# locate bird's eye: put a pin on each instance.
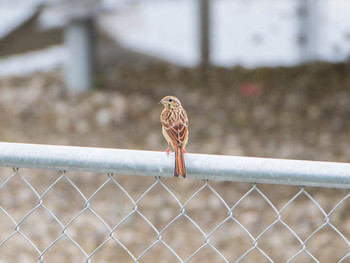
(171, 100)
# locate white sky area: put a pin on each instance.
(251, 33)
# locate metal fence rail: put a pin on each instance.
(150, 216)
(147, 163)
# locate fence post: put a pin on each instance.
(308, 30)
(80, 41)
(204, 33)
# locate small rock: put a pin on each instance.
(103, 117)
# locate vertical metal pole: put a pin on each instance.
(80, 42)
(308, 30)
(204, 17)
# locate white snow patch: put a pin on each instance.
(44, 60)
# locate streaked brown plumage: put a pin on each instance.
(175, 130)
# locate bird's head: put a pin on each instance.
(170, 102)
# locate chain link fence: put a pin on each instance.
(67, 215)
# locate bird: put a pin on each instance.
(175, 130)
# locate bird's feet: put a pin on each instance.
(167, 150)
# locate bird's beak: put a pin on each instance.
(161, 102)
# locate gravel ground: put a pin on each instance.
(296, 113)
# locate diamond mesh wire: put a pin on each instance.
(50, 216)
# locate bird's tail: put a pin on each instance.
(180, 168)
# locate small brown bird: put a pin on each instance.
(175, 130)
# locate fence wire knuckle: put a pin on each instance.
(164, 220)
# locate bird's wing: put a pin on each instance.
(177, 133)
(177, 130)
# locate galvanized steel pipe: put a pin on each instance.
(200, 166)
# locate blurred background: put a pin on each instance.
(259, 78)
